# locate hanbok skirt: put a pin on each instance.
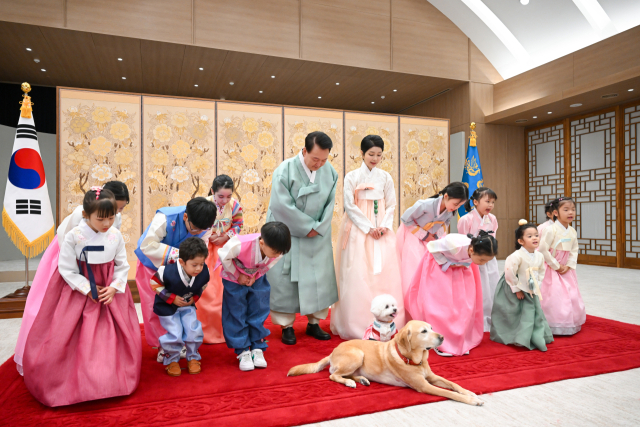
(153, 330)
(410, 251)
(210, 303)
(357, 283)
(451, 301)
(48, 265)
(79, 350)
(489, 276)
(519, 321)
(561, 299)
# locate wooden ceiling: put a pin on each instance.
(88, 60)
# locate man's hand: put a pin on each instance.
(312, 233)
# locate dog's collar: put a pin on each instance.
(406, 360)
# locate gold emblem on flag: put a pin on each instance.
(472, 167)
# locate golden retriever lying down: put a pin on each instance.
(401, 362)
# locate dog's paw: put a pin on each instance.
(476, 402)
(364, 381)
(350, 383)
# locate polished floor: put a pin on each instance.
(603, 400)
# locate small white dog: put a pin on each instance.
(384, 308)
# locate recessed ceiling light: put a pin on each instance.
(42, 69)
(231, 83)
(36, 60)
(260, 91)
(222, 98)
(630, 90)
(549, 112)
(524, 2)
(535, 117)
(119, 59)
(273, 77)
(395, 90)
(124, 78)
(196, 85)
(319, 97)
(382, 97)
(575, 105)
(201, 69)
(372, 102)
(338, 84)
(29, 49)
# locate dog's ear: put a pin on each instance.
(404, 340)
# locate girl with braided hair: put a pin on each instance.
(446, 290)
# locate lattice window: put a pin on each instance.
(546, 169)
(632, 180)
(593, 183)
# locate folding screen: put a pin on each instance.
(249, 149)
(179, 151)
(298, 122)
(99, 141)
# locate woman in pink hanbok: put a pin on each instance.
(365, 256)
(49, 264)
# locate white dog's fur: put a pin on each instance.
(384, 308)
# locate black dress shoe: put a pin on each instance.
(314, 330)
(288, 336)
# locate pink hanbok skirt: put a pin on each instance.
(79, 350)
(410, 251)
(153, 330)
(451, 301)
(46, 268)
(561, 300)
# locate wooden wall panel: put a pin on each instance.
(547, 79)
(107, 51)
(417, 44)
(99, 141)
(453, 105)
(378, 7)
(161, 20)
(480, 101)
(480, 69)
(35, 12)
(179, 152)
(357, 126)
(607, 57)
(249, 149)
(268, 28)
(424, 159)
(329, 35)
(298, 122)
(161, 66)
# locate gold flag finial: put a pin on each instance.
(472, 138)
(26, 101)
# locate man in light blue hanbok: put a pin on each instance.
(303, 197)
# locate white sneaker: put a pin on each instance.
(442, 353)
(160, 358)
(183, 353)
(246, 362)
(258, 358)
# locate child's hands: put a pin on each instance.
(563, 269)
(520, 295)
(106, 294)
(245, 280)
(180, 302)
(218, 240)
(91, 297)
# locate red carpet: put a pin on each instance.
(224, 395)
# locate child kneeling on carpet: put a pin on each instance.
(178, 287)
(517, 316)
(245, 301)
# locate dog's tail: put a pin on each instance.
(309, 368)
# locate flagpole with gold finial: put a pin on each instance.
(472, 138)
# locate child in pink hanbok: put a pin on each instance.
(49, 264)
(548, 211)
(423, 222)
(446, 290)
(365, 257)
(85, 342)
(561, 300)
(481, 218)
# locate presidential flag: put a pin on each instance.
(472, 173)
(26, 214)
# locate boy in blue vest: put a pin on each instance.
(178, 287)
(158, 246)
